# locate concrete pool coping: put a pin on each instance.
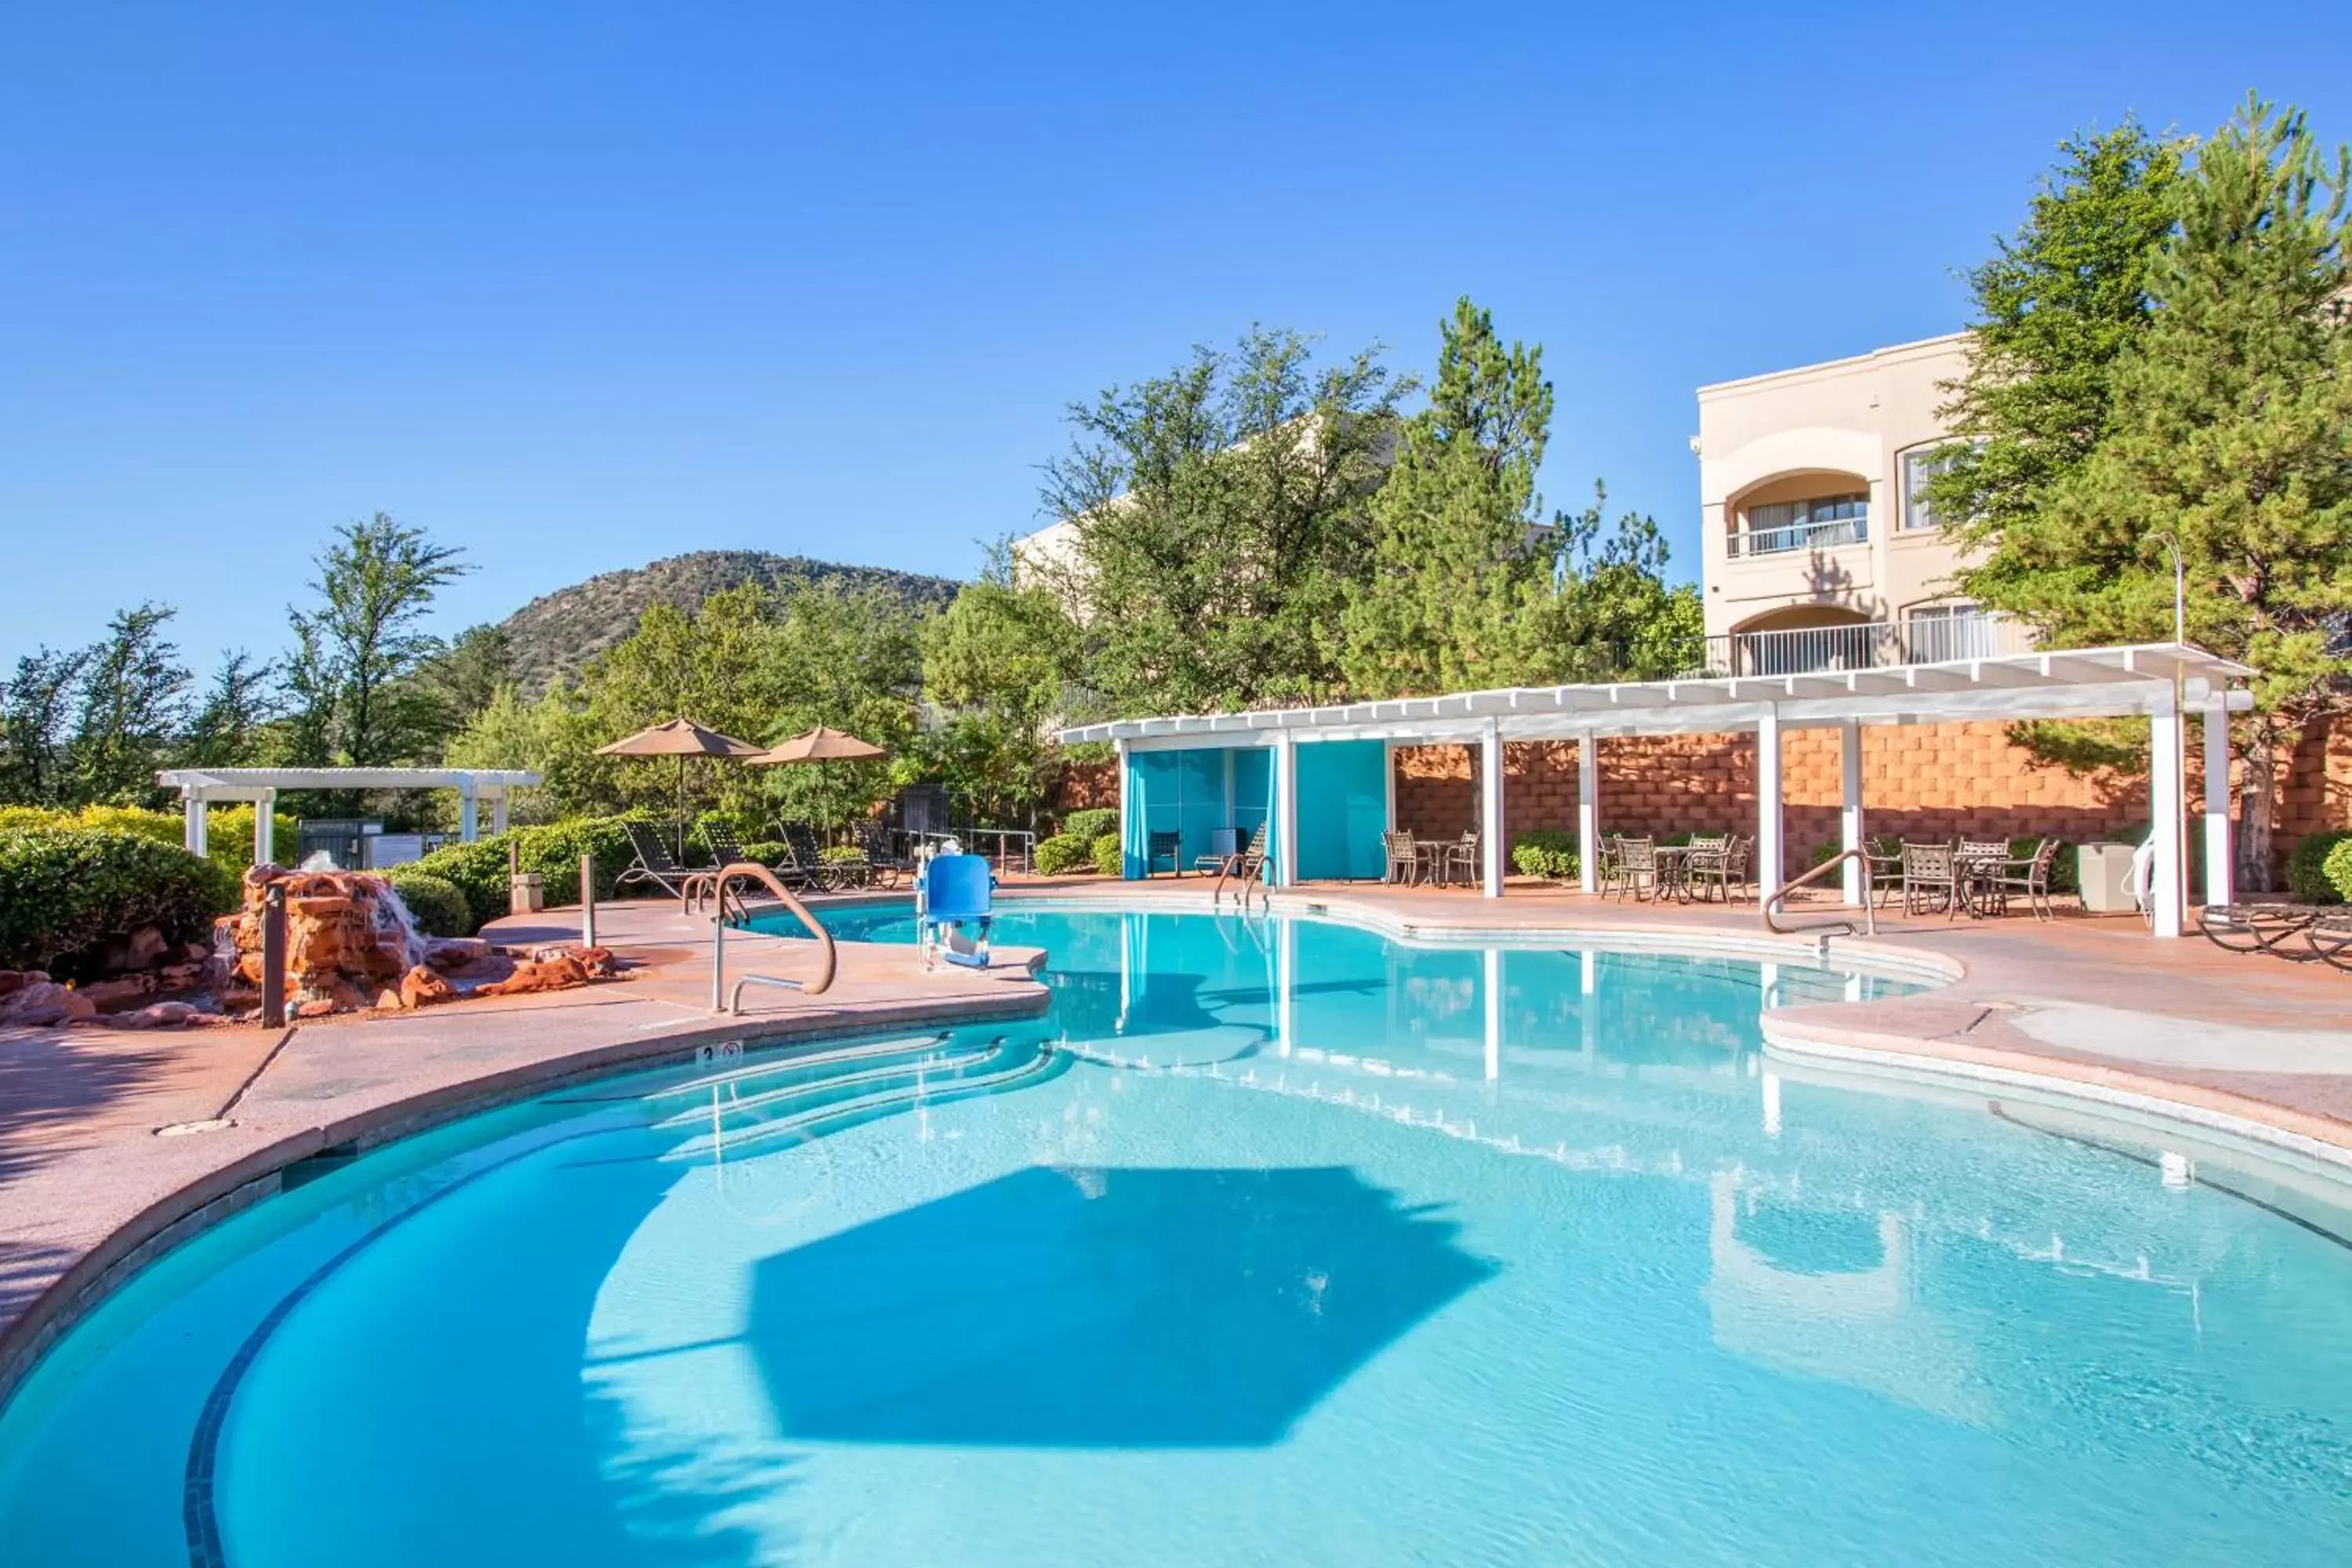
(78, 1220)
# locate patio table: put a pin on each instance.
(1674, 872)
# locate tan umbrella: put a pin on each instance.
(680, 738)
(819, 745)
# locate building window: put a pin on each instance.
(1918, 467)
(1775, 526)
(1937, 634)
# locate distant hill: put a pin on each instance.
(559, 632)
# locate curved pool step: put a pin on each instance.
(1005, 1066)
(768, 1067)
(726, 1103)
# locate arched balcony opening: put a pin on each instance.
(1810, 509)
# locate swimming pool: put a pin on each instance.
(1274, 1240)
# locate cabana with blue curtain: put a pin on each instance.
(1198, 791)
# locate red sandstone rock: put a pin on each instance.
(46, 1002)
(454, 951)
(556, 975)
(317, 1007)
(421, 987)
(389, 1000)
(15, 979)
(157, 1016)
(104, 993)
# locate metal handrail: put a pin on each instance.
(1827, 928)
(746, 870)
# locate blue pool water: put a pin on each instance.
(1273, 1242)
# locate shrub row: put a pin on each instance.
(478, 870)
(1544, 852)
(1111, 856)
(228, 829)
(439, 907)
(1064, 853)
(1090, 823)
(2319, 869)
(66, 893)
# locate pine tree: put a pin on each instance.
(2230, 426)
(1460, 562)
(130, 708)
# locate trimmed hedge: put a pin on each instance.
(66, 892)
(1544, 852)
(1110, 858)
(439, 907)
(1064, 853)
(2309, 875)
(228, 829)
(478, 870)
(2338, 867)
(1090, 823)
(769, 851)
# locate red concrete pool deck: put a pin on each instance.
(88, 1191)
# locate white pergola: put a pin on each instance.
(2163, 681)
(200, 788)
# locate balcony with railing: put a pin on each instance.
(1942, 637)
(1781, 528)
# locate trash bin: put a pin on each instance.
(2106, 873)
(526, 893)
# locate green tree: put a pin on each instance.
(132, 691)
(469, 672)
(999, 668)
(2058, 304)
(1460, 564)
(1611, 614)
(227, 728)
(362, 645)
(36, 712)
(2230, 426)
(1220, 511)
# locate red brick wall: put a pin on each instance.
(1925, 781)
(1936, 781)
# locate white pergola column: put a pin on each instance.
(1490, 814)
(1768, 803)
(2166, 806)
(1128, 825)
(498, 812)
(2217, 806)
(466, 814)
(1286, 810)
(1850, 824)
(1588, 814)
(194, 828)
(265, 824)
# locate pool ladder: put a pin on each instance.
(723, 1000)
(1824, 929)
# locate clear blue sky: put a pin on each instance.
(578, 286)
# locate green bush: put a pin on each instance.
(66, 892)
(1544, 852)
(228, 829)
(1090, 823)
(841, 854)
(767, 851)
(1110, 857)
(478, 870)
(1064, 853)
(439, 907)
(2308, 878)
(2338, 869)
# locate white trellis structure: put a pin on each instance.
(202, 788)
(2165, 682)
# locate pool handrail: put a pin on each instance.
(1826, 927)
(732, 1002)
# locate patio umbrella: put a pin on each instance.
(680, 738)
(819, 745)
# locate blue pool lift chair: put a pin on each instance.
(957, 909)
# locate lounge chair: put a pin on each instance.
(1168, 846)
(881, 858)
(804, 868)
(653, 863)
(957, 904)
(1244, 865)
(1225, 843)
